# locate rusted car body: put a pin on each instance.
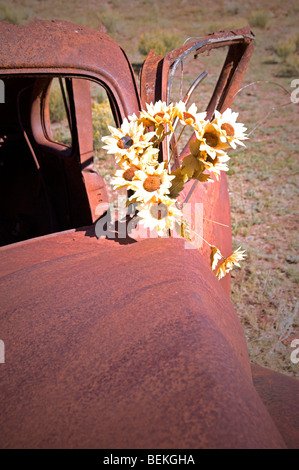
(115, 343)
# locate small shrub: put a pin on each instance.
(111, 20)
(289, 67)
(62, 135)
(232, 8)
(56, 104)
(12, 15)
(285, 48)
(225, 23)
(116, 3)
(98, 94)
(259, 18)
(271, 60)
(101, 119)
(161, 42)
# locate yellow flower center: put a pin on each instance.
(211, 139)
(125, 142)
(159, 211)
(129, 173)
(152, 183)
(228, 128)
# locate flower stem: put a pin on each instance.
(204, 218)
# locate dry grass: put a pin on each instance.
(263, 179)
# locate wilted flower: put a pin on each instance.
(215, 257)
(230, 262)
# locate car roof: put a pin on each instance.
(79, 50)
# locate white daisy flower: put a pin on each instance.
(217, 164)
(123, 178)
(188, 117)
(229, 129)
(151, 183)
(149, 157)
(130, 137)
(159, 214)
(156, 114)
(210, 138)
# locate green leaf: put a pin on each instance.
(185, 231)
(194, 148)
(203, 178)
(190, 165)
(131, 201)
(160, 131)
(177, 184)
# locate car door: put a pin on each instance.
(48, 181)
(162, 78)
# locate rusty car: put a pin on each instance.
(109, 343)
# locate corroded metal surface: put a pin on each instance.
(280, 394)
(81, 49)
(133, 346)
(113, 345)
(156, 72)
